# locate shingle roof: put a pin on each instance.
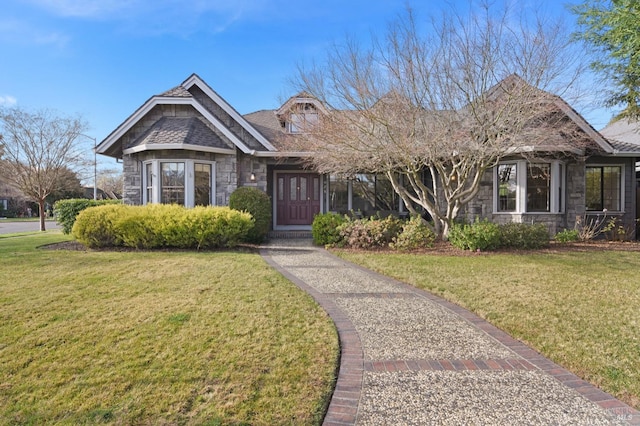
(266, 122)
(181, 130)
(177, 92)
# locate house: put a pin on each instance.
(190, 146)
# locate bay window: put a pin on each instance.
(188, 183)
(172, 183)
(527, 187)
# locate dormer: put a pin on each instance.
(300, 113)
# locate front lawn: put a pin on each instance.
(157, 338)
(580, 309)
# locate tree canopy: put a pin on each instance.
(39, 149)
(434, 108)
(611, 28)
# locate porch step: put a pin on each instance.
(290, 235)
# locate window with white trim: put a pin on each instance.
(185, 182)
(529, 187)
(304, 116)
(604, 188)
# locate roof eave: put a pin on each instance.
(177, 146)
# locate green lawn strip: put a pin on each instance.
(157, 337)
(579, 309)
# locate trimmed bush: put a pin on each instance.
(415, 234)
(369, 233)
(96, 227)
(567, 236)
(161, 226)
(480, 235)
(258, 204)
(66, 211)
(325, 228)
(524, 236)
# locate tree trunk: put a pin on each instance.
(43, 214)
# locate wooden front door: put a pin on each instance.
(297, 197)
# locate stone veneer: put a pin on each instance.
(574, 198)
(482, 206)
(232, 171)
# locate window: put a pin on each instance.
(338, 194)
(364, 193)
(538, 187)
(187, 182)
(507, 187)
(523, 187)
(603, 188)
(148, 173)
(304, 115)
(172, 183)
(202, 184)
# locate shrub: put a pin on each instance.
(160, 225)
(96, 227)
(480, 235)
(325, 228)
(369, 233)
(66, 211)
(524, 236)
(567, 236)
(258, 203)
(415, 234)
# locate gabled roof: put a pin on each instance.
(300, 98)
(624, 136)
(189, 133)
(194, 79)
(515, 80)
(180, 95)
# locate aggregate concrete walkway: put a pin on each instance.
(411, 358)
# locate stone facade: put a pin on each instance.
(482, 207)
(574, 198)
(232, 171)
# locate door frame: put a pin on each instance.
(274, 197)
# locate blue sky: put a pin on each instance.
(105, 58)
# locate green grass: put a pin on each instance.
(580, 309)
(157, 338)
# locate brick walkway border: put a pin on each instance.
(343, 408)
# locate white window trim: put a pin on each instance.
(189, 187)
(622, 187)
(558, 182)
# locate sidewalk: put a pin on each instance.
(411, 358)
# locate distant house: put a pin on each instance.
(12, 202)
(190, 146)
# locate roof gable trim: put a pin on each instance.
(164, 100)
(194, 79)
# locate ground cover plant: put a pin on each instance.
(135, 337)
(579, 308)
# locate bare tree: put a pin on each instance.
(39, 148)
(111, 181)
(434, 109)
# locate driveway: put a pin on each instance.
(8, 227)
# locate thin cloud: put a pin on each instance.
(161, 16)
(8, 100)
(24, 33)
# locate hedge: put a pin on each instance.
(161, 226)
(66, 211)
